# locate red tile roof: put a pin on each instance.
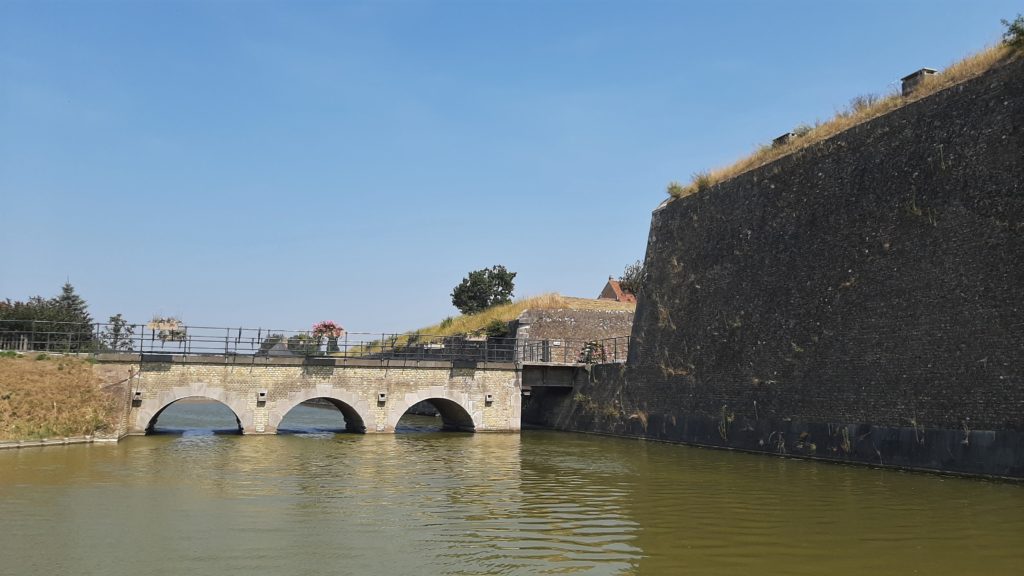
(612, 291)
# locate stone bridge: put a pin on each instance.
(371, 394)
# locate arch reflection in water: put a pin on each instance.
(434, 415)
(195, 415)
(318, 415)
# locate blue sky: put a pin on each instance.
(274, 164)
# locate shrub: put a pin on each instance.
(1014, 35)
(702, 181)
(304, 344)
(861, 103)
(632, 278)
(118, 334)
(496, 329)
(802, 129)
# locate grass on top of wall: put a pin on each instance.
(475, 323)
(53, 397)
(860, 110)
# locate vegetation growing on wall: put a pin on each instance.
(861, 109)
(505, 313)
(1014, 35)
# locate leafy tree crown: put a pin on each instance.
(632, 278)
(484, 288)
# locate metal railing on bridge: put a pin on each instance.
(155, 338)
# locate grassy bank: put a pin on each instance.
(475, 323)
(54, 397)
(860, 110)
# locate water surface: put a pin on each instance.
(315, 503)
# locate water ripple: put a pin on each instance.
(536, 503)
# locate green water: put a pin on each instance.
(532, 503)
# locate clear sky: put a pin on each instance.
(274, 164)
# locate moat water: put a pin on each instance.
(423, 502)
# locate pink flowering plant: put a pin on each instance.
(331, 331)
(328, 329)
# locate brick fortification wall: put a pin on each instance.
(573, 324)
(567, 328)
(861, 300)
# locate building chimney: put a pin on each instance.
(911, 82)
(782, 140)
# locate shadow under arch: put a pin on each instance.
(353, 420)
(151, 423)
(454, 417)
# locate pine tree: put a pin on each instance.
(72, 307)
(76, 328)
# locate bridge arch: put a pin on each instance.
(151, 408)
(352, 407)
(456, 411)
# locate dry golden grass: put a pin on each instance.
(475, 323)
(861, 111)
(54, 398)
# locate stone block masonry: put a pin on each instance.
(483, 397)
(859, 300)
(573, 324)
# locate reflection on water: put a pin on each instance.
(313, 418)
(318, 418)
(419, 423)
(196, 417)
(435, 503)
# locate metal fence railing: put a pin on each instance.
(72, 338)
(553, 351)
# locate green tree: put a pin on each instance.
(483, 289)
(117, 336)
(632, 278)
(1014, 35)
(59, 324)
(71, 306)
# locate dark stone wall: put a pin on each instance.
(860, 300)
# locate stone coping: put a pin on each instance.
(249, 360)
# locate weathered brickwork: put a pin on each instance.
(859, 300)
(565, 331)
(569, 324)
(485, 397)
